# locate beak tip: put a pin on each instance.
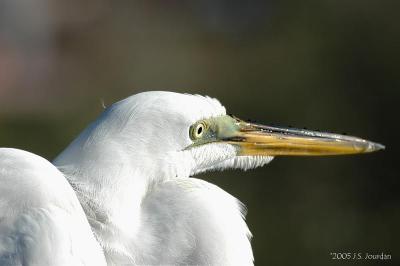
(375, 147)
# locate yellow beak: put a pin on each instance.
(255, 139)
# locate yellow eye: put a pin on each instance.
(197, 130)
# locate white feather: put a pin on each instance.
(41, 220)
(131, 171)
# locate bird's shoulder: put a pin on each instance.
(40, 216)
(27, 179)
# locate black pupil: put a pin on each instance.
(199, 130)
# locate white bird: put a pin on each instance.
(132, 172)
(41, 220)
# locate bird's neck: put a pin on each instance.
(111, 186)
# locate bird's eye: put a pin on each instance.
(197, 130)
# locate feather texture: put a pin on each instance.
(130, 169)
(41, 220)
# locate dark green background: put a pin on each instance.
(329, 65)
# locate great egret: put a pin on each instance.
(41, 220)
(130, 170)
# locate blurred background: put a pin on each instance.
(320, 64)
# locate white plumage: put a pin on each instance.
(41, 220)
(131, 170)
(131, 173)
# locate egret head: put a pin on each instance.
(182, 134)
(117, 164)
